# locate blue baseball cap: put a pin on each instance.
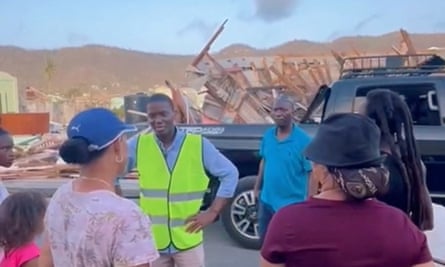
(99, 126)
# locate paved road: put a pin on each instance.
(220, 250)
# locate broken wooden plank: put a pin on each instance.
(209, 43)
(327, 70)
(185, 115)
(289, 84)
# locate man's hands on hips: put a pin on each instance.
(199, 221)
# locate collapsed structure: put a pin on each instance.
(242, 89)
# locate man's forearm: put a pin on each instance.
(218, 204)
(259, 180)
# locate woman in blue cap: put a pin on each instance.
(87, 224)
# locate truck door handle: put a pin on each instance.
(430, 97)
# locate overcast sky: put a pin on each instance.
(182, 26)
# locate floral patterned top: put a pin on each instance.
(97, 229)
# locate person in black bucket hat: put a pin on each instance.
(354, 138)
(348, 145)
(344, 224)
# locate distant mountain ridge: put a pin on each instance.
(121, 70)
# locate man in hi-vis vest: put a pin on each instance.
(172, 168)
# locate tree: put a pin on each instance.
(50, 69)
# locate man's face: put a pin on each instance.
(161, 117)
(6, 151)
(282, 112)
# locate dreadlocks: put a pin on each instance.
(393, 117)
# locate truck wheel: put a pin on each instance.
(240, 216)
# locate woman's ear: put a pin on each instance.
(119, 147)
(116, 147)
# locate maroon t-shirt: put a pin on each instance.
(344, 234)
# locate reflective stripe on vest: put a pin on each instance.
(170, 197)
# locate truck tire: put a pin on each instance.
(240, 217)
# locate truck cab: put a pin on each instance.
(422, 88)
(422, 85)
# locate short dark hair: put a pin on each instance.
(21, 216)
(75, 151)
(287, 99)
(159, 97)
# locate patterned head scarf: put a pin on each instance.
(363, 183)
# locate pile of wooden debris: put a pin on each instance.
(38, 157)
(241, 90)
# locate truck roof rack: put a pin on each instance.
(391, 65)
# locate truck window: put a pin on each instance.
(421, 100)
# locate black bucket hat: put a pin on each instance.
(346, 140)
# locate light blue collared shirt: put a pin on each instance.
(215, 163)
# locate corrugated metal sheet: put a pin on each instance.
(25, 123)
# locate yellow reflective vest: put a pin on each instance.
(170, 197)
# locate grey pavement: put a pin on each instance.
(221, 251)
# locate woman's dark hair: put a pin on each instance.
(21, 217)
(392, 115)
(76, 151)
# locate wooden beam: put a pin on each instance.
(289, 84)
(338, 57)
(395, 49)
(314, 77)
(181, 105)
(409, 43)
(320, 75)
(327, 70)
(209, 43)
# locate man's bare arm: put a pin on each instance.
(218, 204)
(259, 180)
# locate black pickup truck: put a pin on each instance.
(423, 88)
